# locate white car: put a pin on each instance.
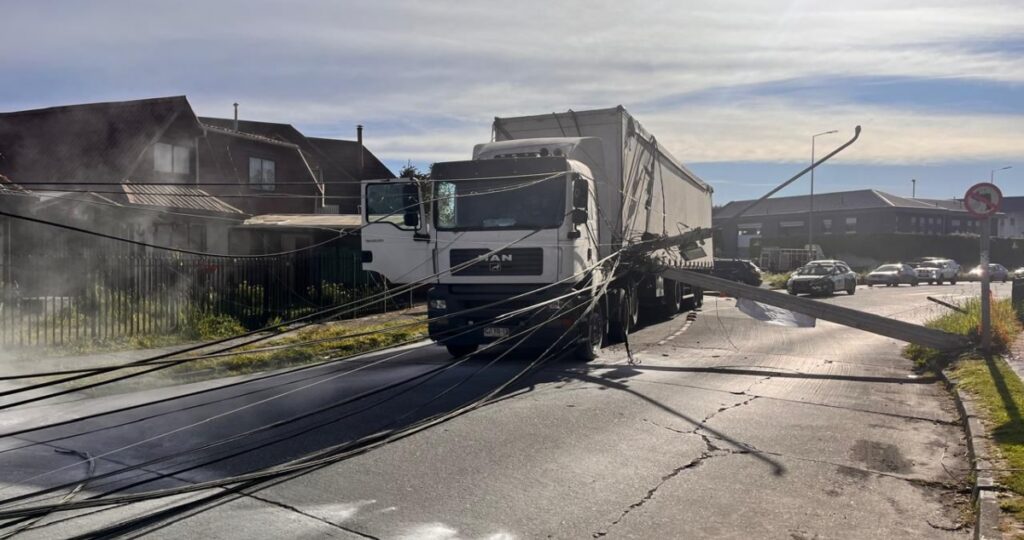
(936, 271)
(823, 278)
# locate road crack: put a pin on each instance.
(729, 407)
(711, 451)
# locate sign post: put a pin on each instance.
(983, 200)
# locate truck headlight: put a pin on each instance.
(439, 304)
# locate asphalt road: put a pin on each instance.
(726, 427)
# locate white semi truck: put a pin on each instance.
(540, 213)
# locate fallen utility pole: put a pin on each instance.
(876, 324)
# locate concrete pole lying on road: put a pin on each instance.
(876, 324)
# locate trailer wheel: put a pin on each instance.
(460, 350)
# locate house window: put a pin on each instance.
(851, 225)
(171, 158)
(826, 226)
(261, 173)
(791, 228)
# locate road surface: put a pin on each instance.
(726, 427)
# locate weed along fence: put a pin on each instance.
(64, 300)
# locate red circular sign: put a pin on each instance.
(983, 200)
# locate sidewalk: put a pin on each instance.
(26, 362)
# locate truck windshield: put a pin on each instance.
(533, 203)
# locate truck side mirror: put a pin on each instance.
(411, 219)
(580, 193)
(579, 216)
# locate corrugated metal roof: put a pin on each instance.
(183, 197)
(329, 221)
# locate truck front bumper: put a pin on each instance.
(476, 314)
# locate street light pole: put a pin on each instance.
(992, 173)
(810, 206)
(913, 188)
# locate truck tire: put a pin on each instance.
(672, 302)
(460, 350)
(592, 335)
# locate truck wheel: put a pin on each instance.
(672, 302)
(592, 335)
(460, 350)
(952, 281)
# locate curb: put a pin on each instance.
(985, 489)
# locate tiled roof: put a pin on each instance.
(345, 154)
(863, 199)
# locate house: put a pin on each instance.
(128, 169)
(339, 165)
(151, 170)
(1012, 224)
(860, 212)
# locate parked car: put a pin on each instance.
(935, 270)
(823, 278)
(739, 270)
(1018, 273)
(892, 275)
(996, 272)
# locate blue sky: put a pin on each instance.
(733, 88)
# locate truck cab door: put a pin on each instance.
(395, 236)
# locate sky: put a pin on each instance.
(734, 89)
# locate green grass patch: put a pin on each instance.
(1000, 394)
(334, 344)
(776, 281)
(1005, 327)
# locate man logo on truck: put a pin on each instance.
(497, 259)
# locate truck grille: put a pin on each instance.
(509, 262)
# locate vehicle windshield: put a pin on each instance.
(815, 270)
(535, 203)
(930, 264)
(888, 268)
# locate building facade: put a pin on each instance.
(861, 212)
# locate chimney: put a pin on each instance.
(236, 117)
(359, 139)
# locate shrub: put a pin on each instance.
(206, 326)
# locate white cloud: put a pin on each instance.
(427, 77)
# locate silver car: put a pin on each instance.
(938, 270)
(892, 275)
(823, 278)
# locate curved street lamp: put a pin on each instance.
(810, 209)
(992, 174)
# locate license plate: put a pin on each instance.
(496, 331)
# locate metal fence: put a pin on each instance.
(57, 300)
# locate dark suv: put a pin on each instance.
(738, 270)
